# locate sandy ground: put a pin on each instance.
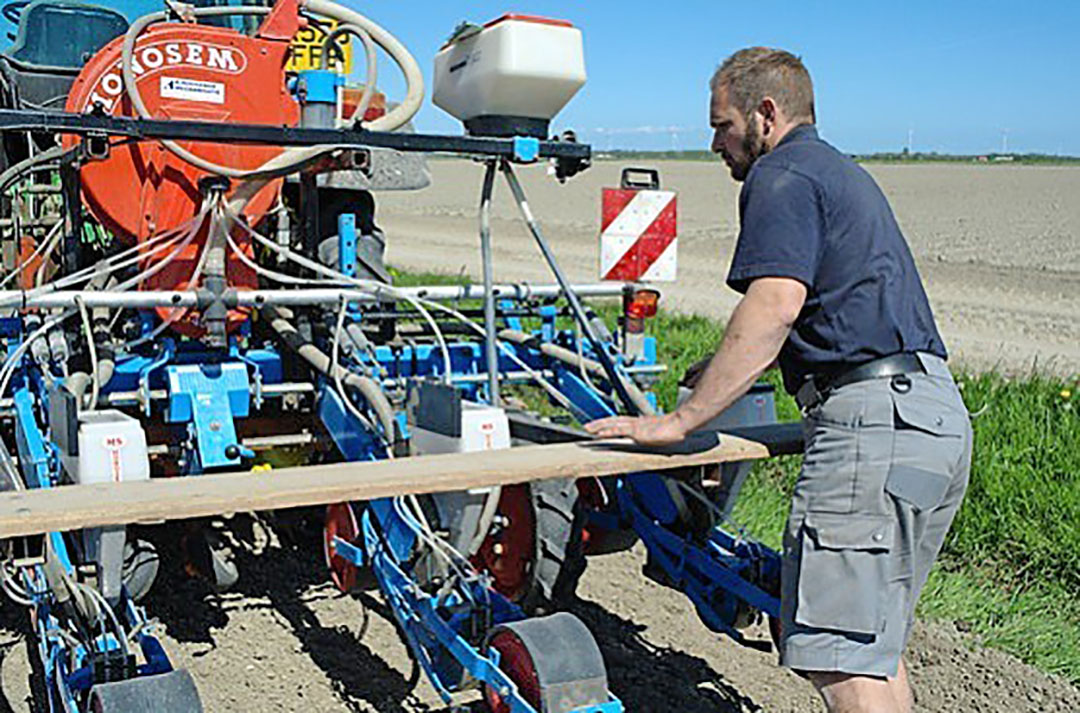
(997, 247)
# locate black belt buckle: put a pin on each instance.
(809, 396)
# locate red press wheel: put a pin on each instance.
(517, 663)
(510, 552)
(340, 523)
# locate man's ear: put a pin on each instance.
(767, 109)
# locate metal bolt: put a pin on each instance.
(498, 548)
(215, 425)
(878, 537)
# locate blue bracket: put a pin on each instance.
(511, 322)
(350, 436)
(526, 149)
(210, 396)
(320, 86)
(347, 244)
(548, 315)
(33, 448)
(588, 404)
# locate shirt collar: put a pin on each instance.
(802, 132)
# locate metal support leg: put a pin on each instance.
(73, 224)
(584, 316)
(490, 333)
(309, 214)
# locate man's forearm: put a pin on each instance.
(750, 345)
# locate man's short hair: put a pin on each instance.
(754, 73)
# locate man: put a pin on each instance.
(832, 294)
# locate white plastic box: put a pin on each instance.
(112, 448)
(517, 67)
(483, 428)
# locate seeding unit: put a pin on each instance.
(193, 283)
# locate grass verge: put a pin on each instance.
(1011, 566)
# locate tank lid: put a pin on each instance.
(518, 17)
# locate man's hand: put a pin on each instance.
(645, 430)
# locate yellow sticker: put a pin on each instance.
(307, 49)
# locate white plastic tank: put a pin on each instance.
(511, 76)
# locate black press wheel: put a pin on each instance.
(172, 692)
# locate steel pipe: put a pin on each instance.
(309, 296)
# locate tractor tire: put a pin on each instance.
(560, 560)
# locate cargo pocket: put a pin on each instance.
(929, 443)
(928, 415)
(844, 572)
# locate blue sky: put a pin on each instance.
(953, 75)
(959, 75)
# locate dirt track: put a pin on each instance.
(997, 247)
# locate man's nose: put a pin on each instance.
(717, 141)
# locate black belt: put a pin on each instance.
(818, 388)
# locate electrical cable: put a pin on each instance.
(12, 173)
(92, 348)
(533, 374)
(430, 538)
(108, 265)
(14, 591)
(9, 365)
(267, 272)
(13, 360)
(335, 349)
(175, 315)
(110, 615)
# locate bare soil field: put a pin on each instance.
(998, 246)
(998, 251)
(286, 640)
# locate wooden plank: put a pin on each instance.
(30, 512)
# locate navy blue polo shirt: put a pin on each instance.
(810, 213)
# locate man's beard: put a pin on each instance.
(753, 148)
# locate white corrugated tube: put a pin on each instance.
(290, 159)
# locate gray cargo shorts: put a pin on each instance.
(886, 466)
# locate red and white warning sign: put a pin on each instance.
(638, 231)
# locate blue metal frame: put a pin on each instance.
(717, 574)
(209, 390)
